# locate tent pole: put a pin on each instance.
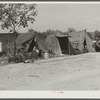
(69, 48)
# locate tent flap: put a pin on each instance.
(41, 44)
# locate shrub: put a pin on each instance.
(77, 51)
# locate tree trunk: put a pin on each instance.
(14, 44)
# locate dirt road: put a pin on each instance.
(81, 72)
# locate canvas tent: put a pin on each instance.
(59, 44)
(33, 40)
(80, 39)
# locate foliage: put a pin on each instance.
(71, 30)
(50, 31)
(13, 16)
(85, 50)
(21, 55)
(31, 30)
(97, 35)
(77, 51)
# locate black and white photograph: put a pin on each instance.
(49, 46)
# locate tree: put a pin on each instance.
(97, 35)
(71, 30)
(14, 16)
(31, 30)
(49, 31)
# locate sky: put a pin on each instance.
(61, 16)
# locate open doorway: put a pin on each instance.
(64, 44)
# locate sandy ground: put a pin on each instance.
(81, 72)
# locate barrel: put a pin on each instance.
(46, 55)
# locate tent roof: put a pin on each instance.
(24, 37)
(58, 34)
(76, 36)
(77, 33)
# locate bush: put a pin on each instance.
(85, 50)
(77, 51)
(21, 55)
(2, 53)
(16, 58)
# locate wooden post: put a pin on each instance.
(69, 48)
(14, 44)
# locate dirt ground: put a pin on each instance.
(81, 72)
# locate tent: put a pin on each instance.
(59, 44)
(33, 40)
(80, 39)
